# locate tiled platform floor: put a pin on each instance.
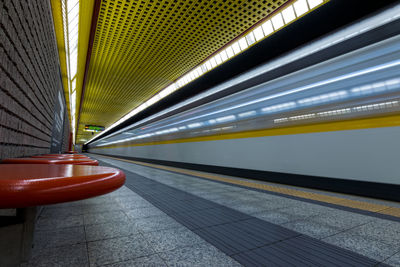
(124, 229)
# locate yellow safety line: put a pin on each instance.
(361, 205)
(354, 124)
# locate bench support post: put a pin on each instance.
(16, 235)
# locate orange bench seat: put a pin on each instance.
(50, 161)
(60, 156)
(29, 185)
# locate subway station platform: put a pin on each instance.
(166, 216)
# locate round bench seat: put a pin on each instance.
(50, 161)
(61, 156)
(29, 185)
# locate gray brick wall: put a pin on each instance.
(65, 141)
(29, 77)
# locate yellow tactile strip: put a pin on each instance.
(361, 205)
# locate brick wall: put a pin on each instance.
(65, 141)
(29, 77)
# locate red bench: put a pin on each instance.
(23, 187)
(61, 156)
(28, 185)
(50, 161)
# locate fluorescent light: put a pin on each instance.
(277, 21)
(213, 62)
(258, 33)
(243, 43)
(267, 28)
(288, 14)
(224, 55)
(250, 38)
(218, 59)
(208, 65)
(229, 51)
(152, 100)
(314, 3)
(236, 47)
(301, 7)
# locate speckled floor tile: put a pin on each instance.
(393, 260)
(59, 237)
(144, 212)
(62, 212)
(104, 199)
(250, 207)
(147, 261)
(49, 223)
(362, 245)
(311, 228)
(97, 208)
(129, 203)
(117, 250)
(110, 230)
(342, 219)
(105, 217)
(198, 255)
(169, 239)
(304, 210)
(67, 256)
(277, 217)
(381, 230)
(155, 223)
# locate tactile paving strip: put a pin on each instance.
(251, 241)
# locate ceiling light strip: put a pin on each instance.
(70, 14)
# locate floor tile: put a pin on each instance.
(169, 239)
(110, 230)
(155, 223)
(66, 256)
(118, 249)
(381, 230)
(393, 260)
(342, 219)
(198, 255)
(362, 245)
(105, 217)
(311, 228)
(147, 261)
(49, 223)
(62, 212)
(59, 237)
(277, 217)
(250, 207)
(129, 203)
(104, 207)
(144, 212)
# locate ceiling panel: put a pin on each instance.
(140, 47)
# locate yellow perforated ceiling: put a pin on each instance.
(142, 46)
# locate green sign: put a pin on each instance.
(94, 128)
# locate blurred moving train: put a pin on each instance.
(330, 125)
